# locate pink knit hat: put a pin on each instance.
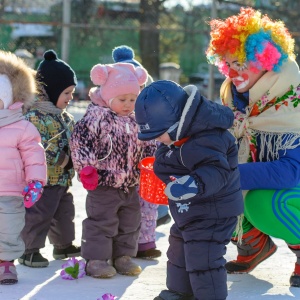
(115, 80)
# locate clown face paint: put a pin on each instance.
(241, 76)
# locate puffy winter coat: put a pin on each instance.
(210, 156)
(109, 143)
(55, 130)
(22, 157)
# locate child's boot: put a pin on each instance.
(255, 248)
(125, 266)
(99, 269)
(70, 251)
(171, 295)
(33, 260)
(295, 277)
(8, 273)
(149, 254)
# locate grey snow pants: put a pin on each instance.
(52, 215)
(112, 226)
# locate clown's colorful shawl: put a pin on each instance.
(273, 114)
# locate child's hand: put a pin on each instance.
(32, 192)
(181, 188)
(89, 178)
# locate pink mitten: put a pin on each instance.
(32, 192)
(89, 178)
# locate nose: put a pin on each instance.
(233, 73)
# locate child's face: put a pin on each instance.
(123, 105)
(165, 139)
(65, 97)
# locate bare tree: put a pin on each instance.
(149, 35)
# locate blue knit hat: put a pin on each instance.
(55, 75)
(158, 108)
(124, 54)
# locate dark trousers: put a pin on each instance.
(52, 215)
(196, 258)
(112, 226)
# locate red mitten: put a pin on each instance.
(32, 192)
(89, 178)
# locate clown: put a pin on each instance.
(262, 88)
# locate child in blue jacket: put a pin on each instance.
(197, 159)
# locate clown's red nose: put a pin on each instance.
(233, 73)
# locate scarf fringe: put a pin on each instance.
(273, 142)
(239, 228)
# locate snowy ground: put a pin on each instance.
(270, 280)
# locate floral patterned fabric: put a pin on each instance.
(273, 112)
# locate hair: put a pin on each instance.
(250, 37)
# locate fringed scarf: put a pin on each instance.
(273, 114)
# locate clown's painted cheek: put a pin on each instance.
(241, 81)
(233, 73)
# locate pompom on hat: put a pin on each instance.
(124, 54)
(55, 75)
(115, 80)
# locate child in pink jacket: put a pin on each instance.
(23, 168)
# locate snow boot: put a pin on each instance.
(163, 220)
(8, 273)
(171, 295)
(99, 269)
(71, 251)
(125, 266)
(254, 249)
(295, 277)
(149, 254)
(33, 260)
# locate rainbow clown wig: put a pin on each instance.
(253, 39)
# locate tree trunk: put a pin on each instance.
(149, 36)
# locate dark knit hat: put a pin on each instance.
(124, 54)
(158, 108)
(55, 75)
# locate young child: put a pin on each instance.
(146, 245)
(106, 152)
(54, 214)
(198, 161)
(22, 160)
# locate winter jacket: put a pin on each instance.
(22, 157)
(55, 130)
(209, 155)
(260, 175)
(109, 143)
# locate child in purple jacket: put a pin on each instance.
(146, 245)
(106, 152)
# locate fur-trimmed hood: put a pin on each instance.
(21, 76)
